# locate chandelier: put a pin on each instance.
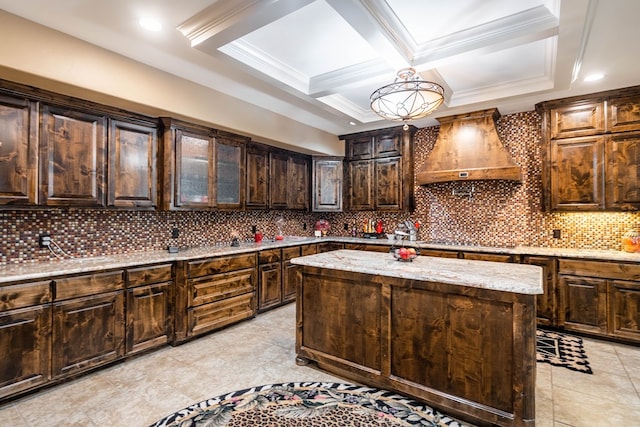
(407, 98)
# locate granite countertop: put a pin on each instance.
(40, 270)
(497, 276)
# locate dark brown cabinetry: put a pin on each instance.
(132, 165)
(257, 181)
(73, 158)
(270, 278)
(288, 181)
(600, 298)
(149, 305)
(18, 133)
(379, 168)
(591, 151)
(88, 322)
(545, 302)
(217, 292)
(230, 171)
(25, 336)
(327, 184)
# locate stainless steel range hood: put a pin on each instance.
(468, 148)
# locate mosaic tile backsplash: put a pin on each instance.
(498, 213)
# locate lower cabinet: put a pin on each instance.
(270, 279)
(24, 348)
(149, 305)
(600, 298)
(219, 291)
(545, 302)
(88, 322)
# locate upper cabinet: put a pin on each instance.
(18, 150)
(327, 184)
(132, 169)
(592, 152)
(379, 167)
(230, 170)
(73, 157)
(257, 176)
(288, 181)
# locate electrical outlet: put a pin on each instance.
(346, 227)
(557, 234)
(44, 240)
(304, 226)
(175, 233)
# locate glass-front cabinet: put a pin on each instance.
(230, 175)
(194, 176)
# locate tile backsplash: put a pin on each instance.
(498, 213)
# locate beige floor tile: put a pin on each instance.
(584, 410)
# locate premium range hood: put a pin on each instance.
(468, 148)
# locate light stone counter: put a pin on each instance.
(516, 278)
(39, 270)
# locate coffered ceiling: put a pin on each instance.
(318, 61)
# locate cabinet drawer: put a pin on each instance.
(367, 247)
(220, 265)
(149, 274)
(24, 295)
(607, 270)
(309, 249)
(213, 288)
(288, 253)
(488, 257)
(439, 253)
(79, 286)
(269, 256)
(221, 313)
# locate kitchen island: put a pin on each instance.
(457, 334)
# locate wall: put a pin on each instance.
(499, 214)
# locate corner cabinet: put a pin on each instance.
(592, 152)
(379, 168)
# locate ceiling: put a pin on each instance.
(318, 61)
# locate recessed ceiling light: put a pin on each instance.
(352, 123)
(150, 24)
(594, 77)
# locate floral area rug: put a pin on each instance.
(309, 404)
(562, 350)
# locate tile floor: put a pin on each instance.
(261, 351)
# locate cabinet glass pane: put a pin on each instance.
(194, 170)
(228, 174)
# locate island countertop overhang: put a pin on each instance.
(506, 277)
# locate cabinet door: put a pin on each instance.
(291, 273)
(361, 185)
(388, 184)
(623, 172)
(360, 148)
(583, 304)
(278, 194)
(149, 316)
(624, 114)
(624, 309)
(298, 180)
(388, 144)
(18, 148)
(194, 170)
(582, 119)
(545, 302)
(24, 348)
(270, 290)
(230, 160)
(87, 332)
(327, 185)
(132, 165)
(577, 174)
(73, 149)
(257, 178)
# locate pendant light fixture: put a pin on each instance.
(407, 98)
